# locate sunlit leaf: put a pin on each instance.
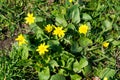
(38, 19)
(84, 42)
(116, 43)
(75, 77)
(57, 77)
(25, 53)
(70, 63)
(107, 25)
(63, 72)
(44, 74)
(86, 16)
(53, 63)
(75, 14)
(60, 21)
(83, 62)
(107, 72)
(76, 67)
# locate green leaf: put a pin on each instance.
(71, 27)
(76, 77)
(14, 54)
(75, 14)
(12, 28)
(53, 64)
(62, 63)
(25, 62)
(44, 74)
(70, 63)
(75, 47)
(57, 77)
(76, 67)
(87, 70)
(55, 12)
(107, 72)
(38, 31)
(60, 21)
(107, 25)
(25, 52)
(116, 43)
(62, 72)
(86, 16)
(84, 42)
(54, 45)
(62, 10)
(38, 19)
(83, 62)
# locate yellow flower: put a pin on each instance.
(83, 29)
(21, 39)
(49, 28)
(105, 44)
(59, 32)
(30, 19)
(70, 1)
(42, 49)
(105, 78)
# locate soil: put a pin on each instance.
(6, 44)
(8, 40)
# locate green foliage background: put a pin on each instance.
(74, 57)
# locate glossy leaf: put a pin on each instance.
(44, 74)
(60, 21)
(84, 42)
(75, 77)
(63, 72)
(75, 48)
(116, 43)
(57, 77)
(107, 25)
(77, 66)
(71, 27)
(83, 62)
(107, 72)
(53, 63)
(69, 63)
(75, 14)
(38, 19)
(86, 16)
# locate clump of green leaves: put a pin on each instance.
(75, 56)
